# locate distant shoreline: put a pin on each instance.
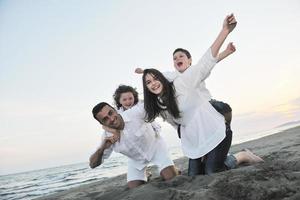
(265, 133)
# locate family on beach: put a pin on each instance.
(181, 99)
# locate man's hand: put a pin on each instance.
(139, 70)
(108, 141)
(229, 23)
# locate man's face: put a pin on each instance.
(181, 61)
(109, 117)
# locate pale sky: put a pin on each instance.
(58, 58)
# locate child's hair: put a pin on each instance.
(123, 89)
(186, 52)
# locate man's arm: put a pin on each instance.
(229, 50)
(228, 25)
(96, 158)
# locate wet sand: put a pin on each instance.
(277, 178)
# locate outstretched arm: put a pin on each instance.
(96, 158)
(228, 25)
(229, 50)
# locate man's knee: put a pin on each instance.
(135, 183)
(169, 172)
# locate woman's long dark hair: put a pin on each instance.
(153, 106)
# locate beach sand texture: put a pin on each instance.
(277, 178)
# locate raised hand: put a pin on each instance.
(230, 48)
(138, 70)
(229, 23)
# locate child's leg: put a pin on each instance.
(242, 157)
(222, 108)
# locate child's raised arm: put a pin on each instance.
(229, 50)
(228, 25)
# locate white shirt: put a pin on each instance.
(171, 75)
(156, 127)
(138, 140)
(202, 127)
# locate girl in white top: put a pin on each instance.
(181, 102)
(125, 97)
(178, 102)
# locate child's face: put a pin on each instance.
(153, 84)
(181, 61)
(127, 100)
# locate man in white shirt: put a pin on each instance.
(133, 137)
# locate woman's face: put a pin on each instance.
(127, 100)
(153, 84)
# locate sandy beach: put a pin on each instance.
(277, 178)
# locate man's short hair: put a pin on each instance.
(186, 52)
(97, 108)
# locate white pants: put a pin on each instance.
(161, 159)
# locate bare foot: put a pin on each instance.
(251, 157)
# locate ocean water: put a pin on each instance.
(38, 183)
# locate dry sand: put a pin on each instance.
(277, 178)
